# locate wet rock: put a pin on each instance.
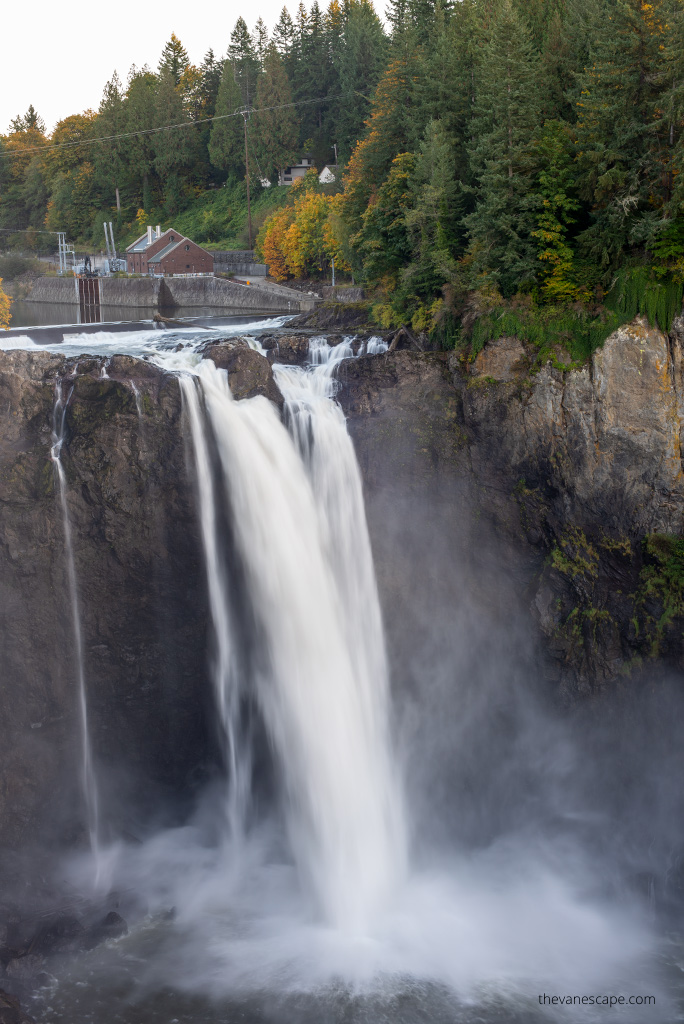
(11, 1011)
(249, 373)
(112, 926)
(142, 591)
(291, 349)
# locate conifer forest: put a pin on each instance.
(519, 161)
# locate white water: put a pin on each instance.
(321, 678)
(88, 778)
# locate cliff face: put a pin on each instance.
(571, 482)
(141, 591)
(558, 496)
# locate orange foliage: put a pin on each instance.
(5, 314)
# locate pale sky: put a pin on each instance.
(58, 56)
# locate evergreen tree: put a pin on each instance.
(617, 132)
(109, 154)
(210, 70)
(29, 122)
(274, 132)
(174, 150)
(174, 59)
(226, 144)
(433, 222)
(260, 41)
(245, 62)
(283, 38)
(360, 66)
(505, 117)
(141, 114)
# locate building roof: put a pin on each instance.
(158, 257)
(141, 243)
(136, 246)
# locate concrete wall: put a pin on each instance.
(173, 292)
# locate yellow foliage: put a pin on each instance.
(302, 238)
(5, 315)
(270, 245)
(141, 219)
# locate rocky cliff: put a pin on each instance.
(559, 497)
(568, 481)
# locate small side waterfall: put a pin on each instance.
(88, 779)
(320, 673)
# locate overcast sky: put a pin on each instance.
(58, 56)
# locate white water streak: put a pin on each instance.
(88, 779)
(226, 684)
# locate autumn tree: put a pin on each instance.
(5, 314)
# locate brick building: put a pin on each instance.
(167, 252)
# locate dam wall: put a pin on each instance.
(148, 293)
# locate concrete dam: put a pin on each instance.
(167, 294)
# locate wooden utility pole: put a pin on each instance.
(245, 115)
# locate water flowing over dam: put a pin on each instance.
(352, 836)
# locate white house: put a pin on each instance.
(328, 174)
(290, 174)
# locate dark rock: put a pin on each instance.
(11, 1011)
(142, 594)
(112, 926)
(249, 373)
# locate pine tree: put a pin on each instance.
(109, 155)
(245, 62)
(30, 121)
(174, 150)
(433, 222)
(226, 144)
(274, 132)
(260, 41)
(210, 70)
(141, 114)
(283, 37)
(174, 59)
(505, 117)
(360, 66)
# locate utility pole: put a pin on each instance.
(245, 114)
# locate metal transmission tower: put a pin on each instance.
(64, 251)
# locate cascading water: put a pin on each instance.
(321, 676)
(88, 779)
(225, 673)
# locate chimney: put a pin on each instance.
(150, 237)
(158, 231)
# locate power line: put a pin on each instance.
(152, 131)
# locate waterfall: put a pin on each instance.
(138, 399)
(88, 779)
(225, 675)
(319, 672)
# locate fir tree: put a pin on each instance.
(274, 132)
(245, 62)
(109, 155)
(174, 59)
(226, 144)
(505, 118)
(260, 40)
